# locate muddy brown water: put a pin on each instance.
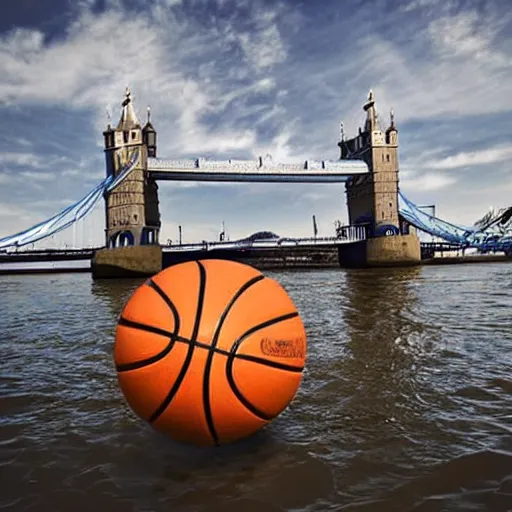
(405, 403)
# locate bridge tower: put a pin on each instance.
(131, 209)
(372, 199)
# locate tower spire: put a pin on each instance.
(369, 108)
(128, 118)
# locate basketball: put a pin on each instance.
(210, 351)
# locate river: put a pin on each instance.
(405, 402)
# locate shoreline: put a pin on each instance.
(314, 260)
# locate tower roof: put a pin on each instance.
(148, 127)
(128, 118)
(392, 126)
(371, 115)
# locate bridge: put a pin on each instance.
(368, 166)
(263, 170)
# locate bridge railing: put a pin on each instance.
(347, 234)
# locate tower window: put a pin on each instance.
(135, 217)
(387, 158)
(134, 135)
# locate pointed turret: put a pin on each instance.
(371, 117)
(392, 132)
(128, 119)
(108, 136)
(128, 130)
(149, 136)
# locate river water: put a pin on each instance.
(405, 403)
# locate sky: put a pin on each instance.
(242, 79)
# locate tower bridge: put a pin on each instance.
(368, 166)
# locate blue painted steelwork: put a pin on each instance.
(70, 214)
(475, 237)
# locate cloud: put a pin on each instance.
(454, 66)
(13, 216)
(21, 159)
(264, 49)
(427, 182)
(468, 159)
(157, 64)
(463, 36)
(37, 176)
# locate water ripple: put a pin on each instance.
(405, 402)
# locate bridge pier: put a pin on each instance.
(134, 261)
(386, 251)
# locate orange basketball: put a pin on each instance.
(209, 351)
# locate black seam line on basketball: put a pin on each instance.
(245, 357)
(229, 366)
(215, 339)
(176, 338)
(177, 383)
(155, 330)
(169, 303)
(150, 360)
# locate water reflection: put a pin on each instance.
(114, 293)
(379, 316)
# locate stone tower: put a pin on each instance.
(372, 199)
(132, 213)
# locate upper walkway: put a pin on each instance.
(262, 170)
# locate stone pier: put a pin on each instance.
(132, 261)
(386, 251)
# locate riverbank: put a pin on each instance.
(299, 258)
(473, 258)
(44, 267)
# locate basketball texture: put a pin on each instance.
(209, 351)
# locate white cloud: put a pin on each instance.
(461, 72)
(36, 176)
(264, 49)
(467, 159)
(426, 182)
(21, 159)
(464, 36)
(5, 178)
(157, 64)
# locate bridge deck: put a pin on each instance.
(262, 171)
